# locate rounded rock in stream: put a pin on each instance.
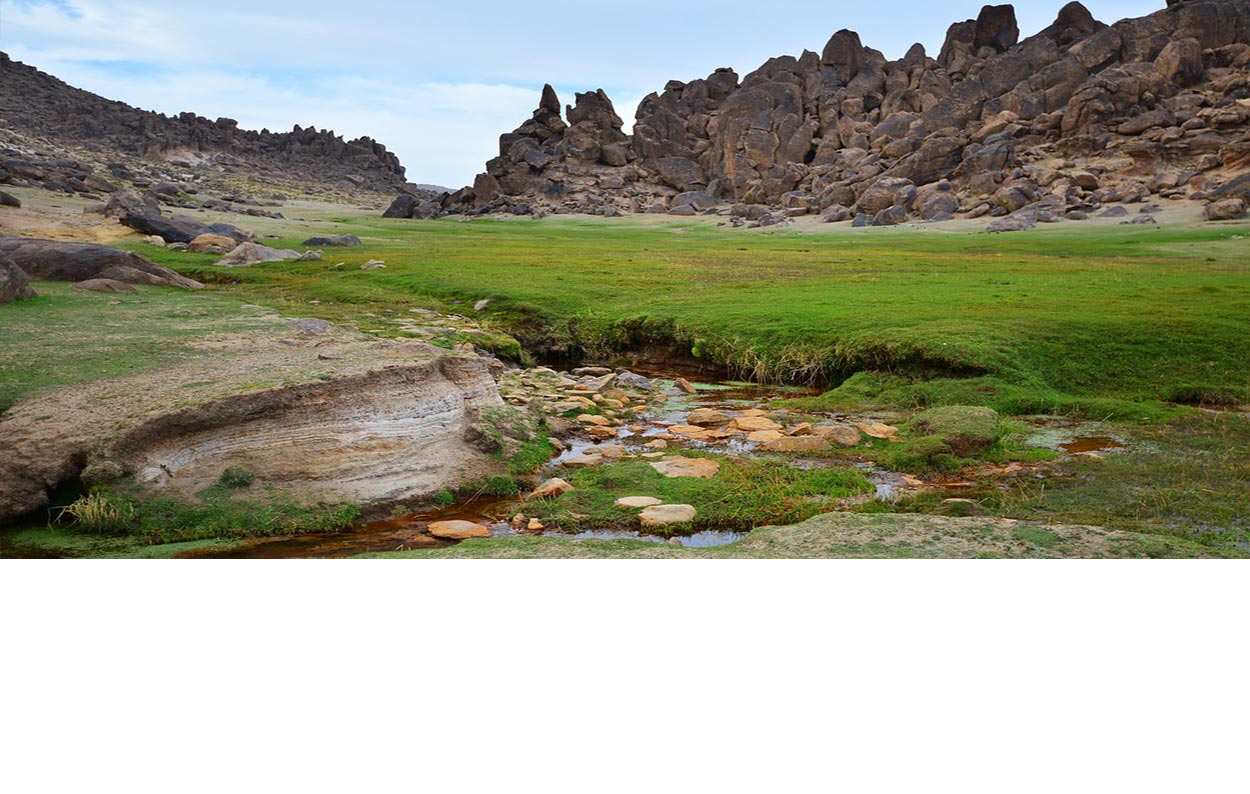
(658, 515)
(457, 530)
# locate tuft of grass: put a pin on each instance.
(100, 514)
(531, 456)
(236, 477)
(497, 485)
(216, 513)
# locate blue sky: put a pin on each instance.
(437, 82)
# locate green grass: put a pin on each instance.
(62, 542)
(1188, 477)
(743, 495)
(1061, 318)
(848, 535)
(222, 511)
(69, 336)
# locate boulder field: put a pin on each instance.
(1077, 116)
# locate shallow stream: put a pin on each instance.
(409, 531)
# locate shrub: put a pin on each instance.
(236, 477)
(101, 514)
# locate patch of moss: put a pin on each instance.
(966, 429)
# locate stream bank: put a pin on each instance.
(602, 417)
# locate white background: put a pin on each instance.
(380, 676)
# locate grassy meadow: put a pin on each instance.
(1099, 321)
(1124, 326)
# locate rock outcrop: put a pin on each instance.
(35, 102)
(13, 283)
(52, 260)
(388, 435)
(1079, 115)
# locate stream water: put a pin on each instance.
(409, 531)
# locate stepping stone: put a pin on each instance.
(764, 436)
(457, 530)
(685, 430)
(638, 501)
(659, 515)
(751, 424)
(584, 459)
(703, 468)
(878, 430)
(842, 435)
(551, 488)
(798, 444)
(707, 417)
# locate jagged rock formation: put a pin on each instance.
(38, 103)
(1078, 115)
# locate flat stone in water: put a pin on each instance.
(752, 424)
(457, 530)
(659, 515)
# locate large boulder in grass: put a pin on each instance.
(403, 206)
(172, 230)
(965, 429)
(338, 239)
(13, 283)
(52, 260)
(1225, 210)
(104, 285)
(253, 254)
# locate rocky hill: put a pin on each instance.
(39, 104)
(1079, 115)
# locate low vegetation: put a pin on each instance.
(1054, 321)
(743, 495)
(219, 512)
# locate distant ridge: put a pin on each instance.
(34, 102)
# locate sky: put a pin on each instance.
(438, 82)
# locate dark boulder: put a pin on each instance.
(9, 200)
(1225, 210)
(52, 260)
(104, 285)
(681, 173)
(338, 239)
(178, 229)
(996, 28)
(13, 283)
(403, 206)
(891, 216)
